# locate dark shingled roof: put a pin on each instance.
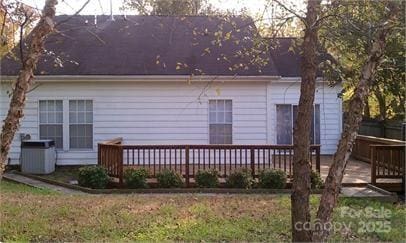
(286, 56)
(286, 60)
(155, 45)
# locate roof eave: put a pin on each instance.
(144, 78)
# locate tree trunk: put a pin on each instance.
(367, 111)
(301, 134)
(336, 172)
(381, 103)
(24, 80)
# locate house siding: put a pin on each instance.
(173, 113)
(330, 110)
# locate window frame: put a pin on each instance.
(47, 99)
(230, 123)
(293, 122)
(69, 124)
(66, 134)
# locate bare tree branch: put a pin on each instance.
(290, 10)
(76, 13)
(26, 19)
(24, 80)
(4, 18)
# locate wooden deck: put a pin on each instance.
(188, 159)
(385, 167)
(356, 171)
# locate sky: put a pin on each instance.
(103, 6)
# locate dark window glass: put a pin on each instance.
(285, 119)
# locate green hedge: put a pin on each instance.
(207, 178)
(273, 179)
(169, 179)
(93, 176)
(136, 178)
(240, 179)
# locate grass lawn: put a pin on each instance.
(31, 214)
(63, 174)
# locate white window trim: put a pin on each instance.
(208, 116)
(63, 119)
(68, 137)
(66, 144)
(65, 125)
(293, 123)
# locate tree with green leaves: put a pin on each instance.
(169, 7)
(30, 50)
(389, 86)
(301, 136)
(348, 35)
(16, 21)
(24, 80)
(384, 20)
(379, 19)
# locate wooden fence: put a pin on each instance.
(188, 159)
(383, 129)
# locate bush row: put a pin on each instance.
(96, 177)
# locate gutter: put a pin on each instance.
(296, 80)
(143, 78)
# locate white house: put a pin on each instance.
(152, 80)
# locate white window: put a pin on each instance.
(80, 124)
(51, 121)
(285, 119)
(220, 121)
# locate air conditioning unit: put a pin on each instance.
(38, 156)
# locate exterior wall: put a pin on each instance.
(330, 110)
(173, 113)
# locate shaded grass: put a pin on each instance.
(29, 215)
(63, 174)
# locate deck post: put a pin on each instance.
(252, 152)
(187, 149)
(373, 165)
(99, 154)
(318, 159)
(120, 165)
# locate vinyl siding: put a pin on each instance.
(150, 113)
(330, 111)
(172, 113)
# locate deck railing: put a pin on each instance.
(110, 156)
(361, 149)
(188, 159)
(387, 162)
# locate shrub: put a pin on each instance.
(240, 179)
(169, 179)
(275, 179)
(93, 176)
(315, 180)
(136, 178)
(207, 178)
